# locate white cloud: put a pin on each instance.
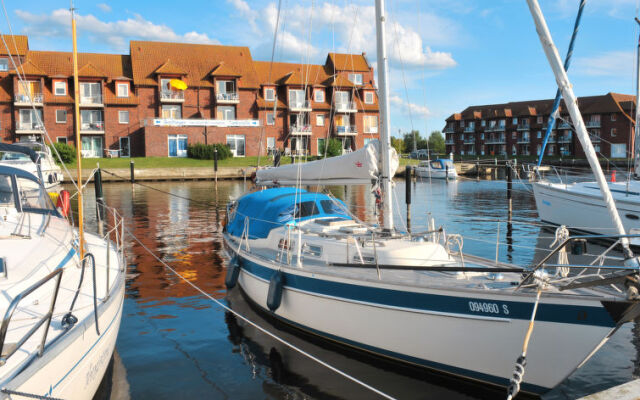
(404, 107)
(116, 34)
(352, 27)
(611, 63)
(104, 7)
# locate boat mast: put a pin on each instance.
(385, 134)
(76, 101)
(636, 136)
(572, 106)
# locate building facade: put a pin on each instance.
(518, 128)
(130, 106)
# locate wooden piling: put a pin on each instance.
(407, 177)
(131, 168)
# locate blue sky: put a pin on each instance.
(448, 54)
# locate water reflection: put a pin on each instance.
(176, 343)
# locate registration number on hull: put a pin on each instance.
(488, 308)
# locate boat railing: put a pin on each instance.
(45, 320)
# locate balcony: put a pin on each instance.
(301, 130)
(564, 125)
(92, 127)
(524, 127)
(370, 129)
(496, 140)
(228, 98)
(491, 128)
(449, 141)
(25, 99)
(593, 124)
(346, 107)
(595, 138)
(564, 139)
(470, 141)
(500, 128)
(91, 101)
(523, 140)
(343, 130)
(28, 127)
(469, 129)
(172, 96)
(448, 129)
(300, 105)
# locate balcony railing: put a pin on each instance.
(300, 129)
(97, 126)
(28, 126)
(470, 141)
(491, 128)
(524, 127)
(172, 95)
(90, 100)
(594, 138)
(228, 97)
(500, 128)
(449, 141)
(469, 129)
(524, 140)
(27, 98)
(370, 129)
(593, 124)
(343, 130)
(564, 139)
(564, 125)
(300, 105)
(448, 129)
(496, 140)
(348, 106)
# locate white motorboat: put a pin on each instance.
(302, 257)
(61, 312)
(51, 173)
(437, 169)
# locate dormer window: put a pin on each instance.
(318, 95)
(4, 64)
(356, 79)
(368, 97)
(122, 90)
(269, 94)
(60, 88)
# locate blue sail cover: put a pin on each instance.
(271, 208)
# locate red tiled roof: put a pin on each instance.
(347, 62)
(169, 68)
(197, 61)
(18, 45)
(60, 64)
(290, 74)
(223, 70)
(28, 68)
(90, 71)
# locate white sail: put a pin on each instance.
(360, 166)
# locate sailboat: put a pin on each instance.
(63, 288)
(567, 204)
(306, 260)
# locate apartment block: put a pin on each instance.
(129, 106)
(518, 128)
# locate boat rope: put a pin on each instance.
(28, 395)
(521, 362)
(562, 234)
(258, 327)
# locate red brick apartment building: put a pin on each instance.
(518, 128)
(129, 108)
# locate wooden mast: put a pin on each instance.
(76, 125)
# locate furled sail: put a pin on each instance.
(360, 166)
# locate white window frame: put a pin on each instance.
(236, 138)
(368, 124)
(614, 132)
(271, 118)
(62, 139)
(320, 119)
(126, 89)
(120, 114)
(271, 144)
(355, 78)
(368, 97)
(173, 113)
(60, 121)
(273, 94)
(318, 95)
(179, 153)
(614, 117)
(60, 85)
(540, 119)
(225, 111)
(298, 97)
(4, 64)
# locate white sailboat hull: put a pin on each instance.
(436, 174)
(580, 206)
(478, 347)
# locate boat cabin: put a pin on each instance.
(440, 164)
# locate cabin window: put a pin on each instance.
(312, 250)
(332, 207)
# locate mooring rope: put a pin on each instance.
(28, 395)
(261, 329)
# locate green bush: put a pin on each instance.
(205, 151)
(67, 153)
(333, 149)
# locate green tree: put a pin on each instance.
(436, 142)
(67, 153)
(334, 148)
(398, 144)
(408, 141)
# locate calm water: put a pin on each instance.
(175, 343)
